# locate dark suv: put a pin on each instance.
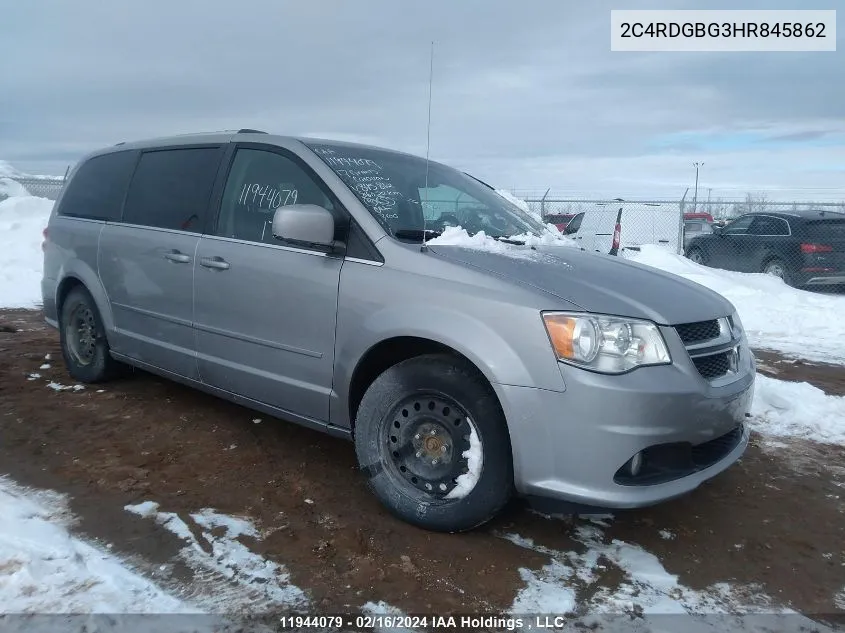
(804, 248)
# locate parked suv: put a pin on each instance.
(804, 248)
(304, 278)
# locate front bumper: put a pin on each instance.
(570, 446)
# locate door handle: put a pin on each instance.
(177, 257)
(215, 263)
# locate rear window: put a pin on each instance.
(171, 188)
(562, 218)
(833, 229)
(97, 189)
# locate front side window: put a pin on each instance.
(260, 182)
(739, 226)
(171, 189)
(406, 195)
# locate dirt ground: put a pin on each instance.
(775, 519)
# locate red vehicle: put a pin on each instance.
(560, 220)
(698, 216)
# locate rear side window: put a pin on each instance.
(97, 189)
(766, 225)
(825, 229)
(171, 189)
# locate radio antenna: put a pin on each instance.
(424, 247)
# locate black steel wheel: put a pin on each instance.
(432, 439)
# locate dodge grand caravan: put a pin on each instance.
(305, 279)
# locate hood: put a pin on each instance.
(598, 283)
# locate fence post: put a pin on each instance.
(543, 205)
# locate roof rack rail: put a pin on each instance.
(247, 130)
(121, 143)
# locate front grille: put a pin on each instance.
(692, 333)
(712, 366)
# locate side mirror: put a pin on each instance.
(717, 230)
(306, 224)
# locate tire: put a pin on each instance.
(696, 255)
(777, 268)
(424, 407)
(83, 339)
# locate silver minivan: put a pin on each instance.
(322, 282)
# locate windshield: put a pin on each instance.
(393, 188)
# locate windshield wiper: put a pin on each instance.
(416, 234)
(507, 239)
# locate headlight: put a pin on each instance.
(610, 345)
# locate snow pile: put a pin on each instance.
(10, 188)
(775, 316)
(475, 461)
(797, 409)
(519, 202)
(22, 219)
(43, 569)
(228, 575)
(458, 236)
(573, 583)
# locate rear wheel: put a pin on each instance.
(777, 268)
(696, 255)
(83, 339)
(432, 439)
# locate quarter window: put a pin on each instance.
(171, 188)
(259, 183)
(97, 189)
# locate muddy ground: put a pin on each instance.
(775, 519)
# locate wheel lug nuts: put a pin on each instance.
(442, 449)
(434, 462)
(417, 436)
(432, 432)
(419, 453)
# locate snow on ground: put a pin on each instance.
(44, 569)
(228, 576)
(777, 317)
(22, 219)
(573, 582)
(797, 409)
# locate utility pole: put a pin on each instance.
(695, 195)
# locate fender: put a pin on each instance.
(479, 341)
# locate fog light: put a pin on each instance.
(636, 464)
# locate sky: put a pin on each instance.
(527, 94)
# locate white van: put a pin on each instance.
(639, 224)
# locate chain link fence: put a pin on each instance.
(802, 243)
(49, 188)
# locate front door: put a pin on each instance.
(265, 312)
(727, 246)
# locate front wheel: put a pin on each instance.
(432, 439)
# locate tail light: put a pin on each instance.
(617, 235)
(44, 243)
(816, 248)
